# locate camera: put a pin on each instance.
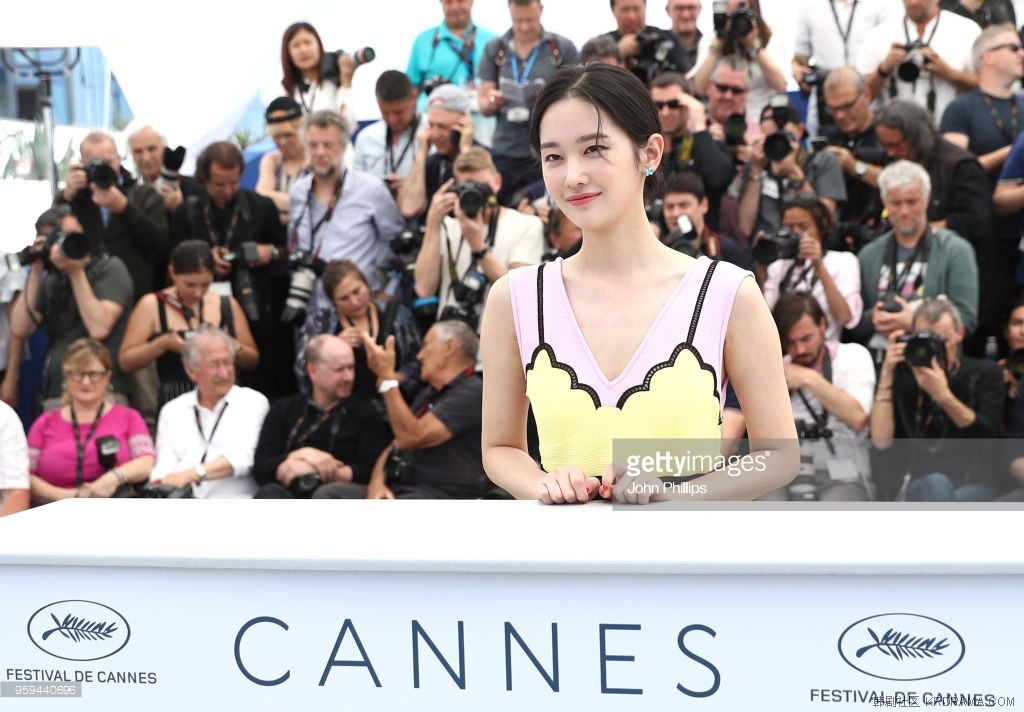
(107, 448)
(473, 196)
(243, 287)
(397, 470)
(816, 77)
(778, 145)
(425, 311)
(470, 289)
(922, 347)
(683, 238)
(165, 491)
(460, 312)
(852, 236)
(303, 486)
(170, 167)
(74, 245)
(732, 25)
(875, 155)
(804, 487)
(433, 82)
(889, 303)
(329, 62)
(784, 244)
(409, 239)
(654, 210)
(910, 68)
(100, 172)
(735, 129)
(1015, 363)
(655, 48)
(306, 269)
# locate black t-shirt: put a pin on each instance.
(863, 204)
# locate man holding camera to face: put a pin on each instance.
(471, 241)
(120, 217)
(82, 294)
(912, 261)
(929, 392)
(923, 56)
(322, 445)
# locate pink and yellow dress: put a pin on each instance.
(670, 389)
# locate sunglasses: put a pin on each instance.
(79, 376)
(671, 103)
(730, 89)
(1013, 47)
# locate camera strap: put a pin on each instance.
(179, 306)
(712, 244)
(215, 237)
(390, 139)
(998, 120)
(435, 396)
(453, 274)
(463, 53)
(307, 209)
(294, 440)
(789, 283)
(844, 34)
(920, 254)
(821, 419)
(199, 427)
(930, 99)
(81, 445)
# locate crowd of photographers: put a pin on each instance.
(336, 307)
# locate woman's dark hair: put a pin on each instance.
(336, 271)
(615, 93)
(191, 256)
(792, 307)
(290, 75)
(819, 213)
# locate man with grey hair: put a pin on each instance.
(148, 146)
(930, 393)
(436, 452)
(336, 213)
(205, 439)
(912, 261)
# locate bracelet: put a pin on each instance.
(479, 254)
(883, 400)
(755, 176)
(119, 474)
(78, 491)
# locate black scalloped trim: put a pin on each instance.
(646, 385)
(574, 381)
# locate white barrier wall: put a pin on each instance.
(504, 606)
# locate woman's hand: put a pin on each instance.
(103, 486)
(640, 488)
(353, 335)
(171, 341)
(810, 249)
(567, 485)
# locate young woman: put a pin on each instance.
(89, 447)
(280, 168)
(304, 79)
(628, 338)
(832, 277)
(157, 326)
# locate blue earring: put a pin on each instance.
(648, 172)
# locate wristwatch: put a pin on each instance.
(200, 472)
(387, 385)
(860, 168)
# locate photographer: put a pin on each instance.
(685, 199)
(149, 152)
(514, 68)
(464, 255)
(436, 452)
(742, 33)
(84, 295)
(322, 445)
(646, 50)
(246, 241)
(830, 387)
(386, 148)
(924, 56)
(119, 216)
(928, 392)
(911, 261)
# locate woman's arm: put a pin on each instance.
(43, 492)
(137, 351)
(134, 471)
(248, 354)
(266, 184)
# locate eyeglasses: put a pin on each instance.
(79, 376)
(834, 108)
(685, 8)
(1013, 47)
(730, 89)
(671, 103)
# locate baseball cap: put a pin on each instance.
(450, 97)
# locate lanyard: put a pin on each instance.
(712, 245)
(307, 210)
(930, 100)
(844, 34)
(920, 253)
(435, 398)
(464, 54)
(179, 306)
(389, 139)
(788, 282)
(998, 120)
(312, 89)
(81, 445)
(453, 275)
(214, 237)
(821, 419)
(514, 64)
(199, 427)
(337, 413)
(685, 151)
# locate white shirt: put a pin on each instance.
(180, 445)
(13, 451)
(10, 284)
(843, 267)
(372, 154)
(952, 41)
(818, 36)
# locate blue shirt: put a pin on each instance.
(438, 52)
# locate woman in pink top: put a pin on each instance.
(89, 447)
(628, 338)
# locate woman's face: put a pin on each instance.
(1015, 330)
(800, 221)
(352, 297)
(304, 50)
(191, 287)
(595, 178)
(286, 137)
(87, 384)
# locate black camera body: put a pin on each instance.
(303, 486)
(876, 155)
(784, 244)
(460, 312)
(101, 173)
(910, 68)
(306, 269)
(107, 448)
(816, 77)
(732, 25)
(811, 430)
(398, 470)
(735, 129)
(242, 285)
(889, 303)
(165, 491)
(684, 237)
(852, 237)
(655, 49)
(433, 82)
(778, 145)
(409, 239)
(474, 196)
(329, 62)
(470, 289)
(922, 347)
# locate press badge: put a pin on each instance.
(770, 188)
(517, 114)
(221, 289)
